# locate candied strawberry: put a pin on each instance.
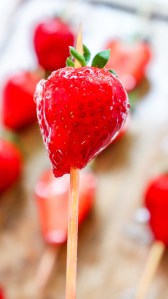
(10, 164)
(80, 111)
(18, 106)
(52, 202)
(156, 201)
(129, 60)
(52, 39)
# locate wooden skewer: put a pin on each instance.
(71, 270)
(48, 259)
(79, 46)
(155, 256)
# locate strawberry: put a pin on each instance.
(129, 60)
(18, 105)
(156, 201)
(10, 164)
(80, 111)
(52, 202)
(52, 39)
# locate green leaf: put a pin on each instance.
(86, 54)
(80, 58)
(69, 62)
(101, 59)
(113, 72)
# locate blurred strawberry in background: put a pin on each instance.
(52, 39)
(156, 201)
(10, 164)
(52, 202)
(18, 104)
(129, 59)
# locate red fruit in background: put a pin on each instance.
(129, 60)
(52, 200)
(156, 201)
(18, 104)
(1, 294)
(79, 111)
(10, 164)
(52, 39)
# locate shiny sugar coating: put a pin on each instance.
(156, 201)
(52, 201)
(79, 111)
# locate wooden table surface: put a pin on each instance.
(113, 246)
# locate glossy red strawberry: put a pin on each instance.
(18, 105)
(10, 164)
(52, 39)
(129, 60)
(52, 201)
(79, 111)
(156, 201)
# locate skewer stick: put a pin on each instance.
(71, 269)
(48, 259)
(155, 256)
(45, 268)
(79, 46)
(72, 235)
